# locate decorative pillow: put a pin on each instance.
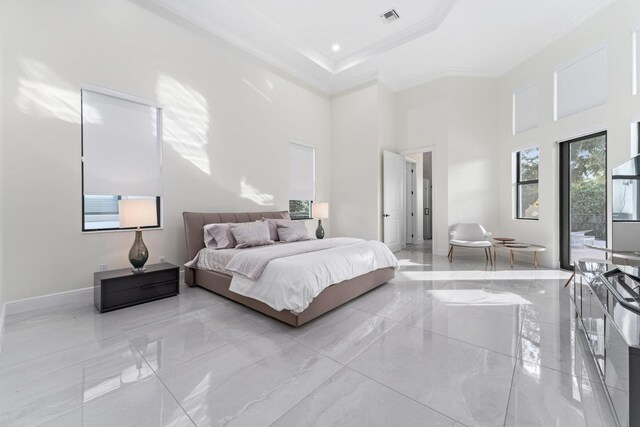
(218, 236)
(273, 226)
(248, 234)
(294, 231)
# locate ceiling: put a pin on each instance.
(432, 38)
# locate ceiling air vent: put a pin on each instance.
(390, 16)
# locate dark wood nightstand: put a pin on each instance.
(116, 289)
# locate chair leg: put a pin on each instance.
(485, 254)
(490, 257)
(451, 254)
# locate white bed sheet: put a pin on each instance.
(291, 283)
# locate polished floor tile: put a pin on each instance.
(484, 328)
(168, 343)
(350, 399)
(461, 343)
(465, 382)
(393, 301)
(341, 334)
(148, 403)
(546, 397)
(248, 383)
(40, 389)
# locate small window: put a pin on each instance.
(300, 209)
(302, 180)
(527, 202)
(121, 156)
(101, 212)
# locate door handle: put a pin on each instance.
(426, 211)
(386, 216)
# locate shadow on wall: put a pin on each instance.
(43, 93)
(185, 114)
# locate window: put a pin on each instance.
(636, 61)
(527, 202)
(581, 85)
(302, 180)
(121, 156)
(525, 109)
(300, 209)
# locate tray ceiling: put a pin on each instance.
(430, 39)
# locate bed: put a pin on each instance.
(219, 282)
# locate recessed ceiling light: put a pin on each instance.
(335, 47)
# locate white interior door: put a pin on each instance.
(392, 187)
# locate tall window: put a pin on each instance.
(121, 156)
(527, 202)
(302, 180)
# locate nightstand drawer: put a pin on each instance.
(143, 293)
(138, 280)
(115, 289)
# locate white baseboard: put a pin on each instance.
(75, 298)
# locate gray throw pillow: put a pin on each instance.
(248, 234)
(273, 226)
(218, 236)
(294, 231)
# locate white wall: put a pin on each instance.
(2, 13)
(386, 119)
(457, 118)
(612, 27)
(363, 124)
(228, 120)
(354, 163)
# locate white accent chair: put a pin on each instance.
(470, 236)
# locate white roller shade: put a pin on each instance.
(302, 174)
(582, 84)
(525, 109)
(122, 146)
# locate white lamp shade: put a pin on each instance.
(320, 210)
(137, 213)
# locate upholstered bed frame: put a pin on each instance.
(332, 297)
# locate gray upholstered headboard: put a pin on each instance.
(194, 233)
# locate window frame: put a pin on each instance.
(160, 125)
(564, 194)
(111, 229)
(299, 218)
(520, 184)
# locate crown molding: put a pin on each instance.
(333, 85)
(447, 72)
(368, 52)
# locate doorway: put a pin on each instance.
(583, 198)
(418, 208)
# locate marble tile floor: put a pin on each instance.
(441, 345)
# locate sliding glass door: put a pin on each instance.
(583, 198)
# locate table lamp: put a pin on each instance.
(319, 211)
(138, 213)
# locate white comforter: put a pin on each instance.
(292, 282)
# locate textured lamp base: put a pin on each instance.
(320, 230)
(139, 254)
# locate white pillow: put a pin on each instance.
(293, 232)
(218, 236)
(248, 234)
